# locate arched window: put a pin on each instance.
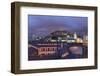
(43, 49)
(53, 49)
(48, 49)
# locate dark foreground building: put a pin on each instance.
(53, 50)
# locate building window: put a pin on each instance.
(48, 49)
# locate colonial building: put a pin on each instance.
(45, 48)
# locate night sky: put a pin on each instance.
(40, 25)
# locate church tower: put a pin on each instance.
(75, 35)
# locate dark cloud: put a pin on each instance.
(43, 25)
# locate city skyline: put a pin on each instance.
(57, 37)
(43, 25)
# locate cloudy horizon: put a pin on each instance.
(41, 25)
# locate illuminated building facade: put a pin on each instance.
(63, 36)
(58, 44)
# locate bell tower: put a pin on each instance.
(75, 35)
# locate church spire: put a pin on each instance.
(75, 35)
